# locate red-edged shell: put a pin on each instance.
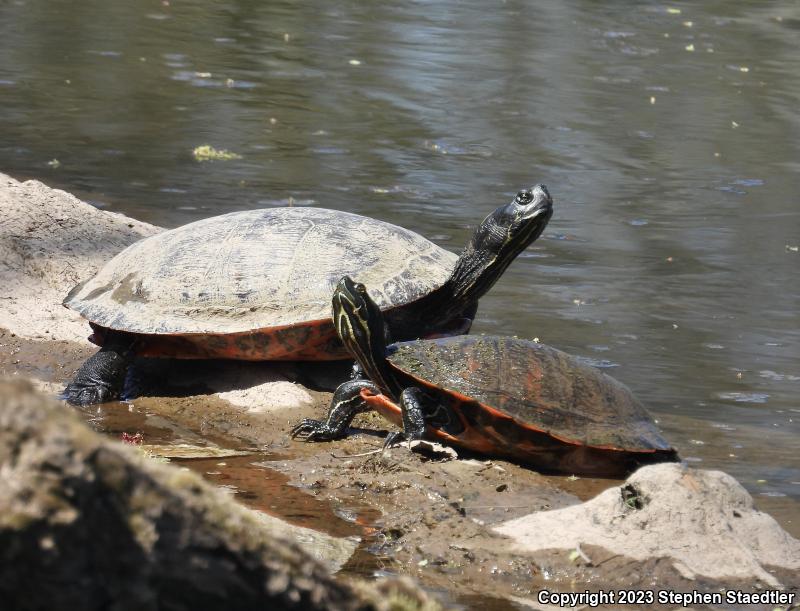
(255, 284)
(526, 400)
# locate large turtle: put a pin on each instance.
(496, 395)
(256, 285)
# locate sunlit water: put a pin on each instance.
(668, 134)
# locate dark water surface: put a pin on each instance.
(668, 134)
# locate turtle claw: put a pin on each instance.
(393, 439)
(312, 430)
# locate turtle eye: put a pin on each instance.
(525, 196)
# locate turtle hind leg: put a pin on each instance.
(101, 377)
(415, 406)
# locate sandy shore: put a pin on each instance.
(478, 529)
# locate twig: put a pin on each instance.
(378, 451)
(583, 555)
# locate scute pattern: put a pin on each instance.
(255, 270)
(534, 385)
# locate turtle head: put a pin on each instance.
(502, 235)
(360, 325)
(524, 218)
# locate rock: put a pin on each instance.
(432, 449)
(703, 521)
(88, 523)
(50, 241)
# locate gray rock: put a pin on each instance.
(704, 522)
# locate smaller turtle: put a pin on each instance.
(495, 395)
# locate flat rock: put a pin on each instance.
(703, 521)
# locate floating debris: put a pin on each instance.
(354, 62)
(673, 11)
(206, 152)
(135, 439)
(689, 47)
(54, 163)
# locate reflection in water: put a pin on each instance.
(669, 139)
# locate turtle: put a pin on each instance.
(256, 285)
(494, 395)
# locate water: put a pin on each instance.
(668, 135)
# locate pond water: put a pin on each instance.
(668, 135)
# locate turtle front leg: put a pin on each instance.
(345, 405)
(101, 377)
(414, 406)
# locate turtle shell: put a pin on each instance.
(255, 284)
(524, 399)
